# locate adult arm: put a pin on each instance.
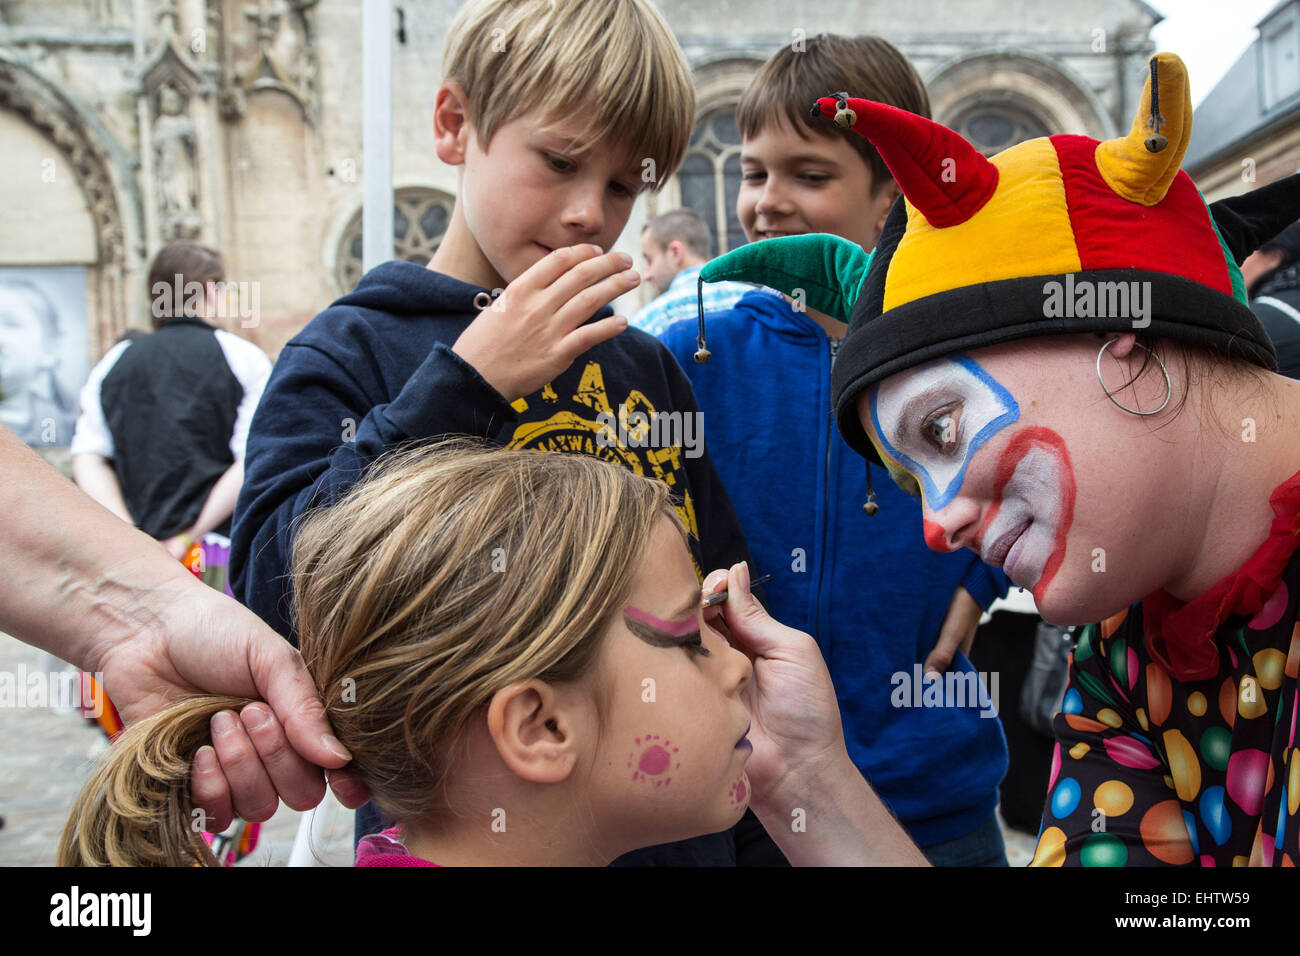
(103, 596)
(807, 793)
(92, 442)
(980, 586)
(217, 507)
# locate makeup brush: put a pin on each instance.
(720, 596)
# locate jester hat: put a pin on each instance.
(969, 254)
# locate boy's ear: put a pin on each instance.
(451, 127)
(536, 730)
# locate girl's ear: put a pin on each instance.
(536, 730)
(451, 127)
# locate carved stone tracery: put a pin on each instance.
(273, 48)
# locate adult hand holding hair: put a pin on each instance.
(83, 585)
(807, 792)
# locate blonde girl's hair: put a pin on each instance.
(448, 573)
(613, 65)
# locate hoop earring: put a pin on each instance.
(1169, 388)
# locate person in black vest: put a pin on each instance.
(164, 417)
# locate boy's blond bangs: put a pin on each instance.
(613, 65)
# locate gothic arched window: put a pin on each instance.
(993, 127)
(420, 218)
(710, 176)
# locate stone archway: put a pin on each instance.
(1017, 92)
(104, 173)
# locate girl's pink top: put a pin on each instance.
(386, 849)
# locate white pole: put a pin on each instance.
(377, 132)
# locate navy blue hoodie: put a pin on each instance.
(867, 588)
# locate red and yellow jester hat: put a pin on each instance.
(971, 258)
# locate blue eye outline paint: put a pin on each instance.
(933, 495)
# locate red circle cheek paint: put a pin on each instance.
(654, 761)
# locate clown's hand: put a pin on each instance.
(538, 326)
(795, 717)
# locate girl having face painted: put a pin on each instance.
(1052, 348)
(512, 646)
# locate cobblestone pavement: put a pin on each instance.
(45, 757)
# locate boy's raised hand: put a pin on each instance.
(534, 330)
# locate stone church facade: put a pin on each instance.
(129, 123)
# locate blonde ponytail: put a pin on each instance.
(135, 810)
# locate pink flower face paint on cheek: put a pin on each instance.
(739, 793)
(656, 761)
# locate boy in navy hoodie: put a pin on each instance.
(558, 116)
(885, 609)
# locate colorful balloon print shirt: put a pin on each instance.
(1176, 744)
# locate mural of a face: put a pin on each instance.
(28, 336)
(43, 350)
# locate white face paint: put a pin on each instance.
(934, 418)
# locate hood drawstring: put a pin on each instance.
(870, 507)
(702, 354)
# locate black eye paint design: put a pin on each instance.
(657, 638)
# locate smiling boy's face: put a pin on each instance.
(792, 185)
(668, 765)
(531, 191)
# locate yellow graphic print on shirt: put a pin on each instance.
(571, 432)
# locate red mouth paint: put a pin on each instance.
(1020, 445)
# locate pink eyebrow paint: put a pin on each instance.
(687, 625)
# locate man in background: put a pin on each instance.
(675, 246)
